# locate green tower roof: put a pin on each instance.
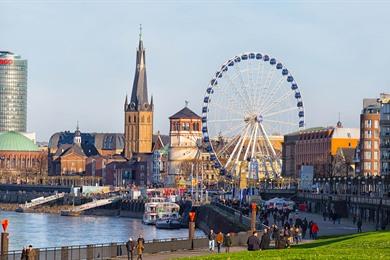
(13, 141)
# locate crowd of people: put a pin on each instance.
(220, 239)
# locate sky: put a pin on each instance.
(81, 55)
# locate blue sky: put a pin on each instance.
(82, 55)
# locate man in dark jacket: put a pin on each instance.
(359, 225)
(253, 242)
(304, 228)
(130, 245)
(265, 240)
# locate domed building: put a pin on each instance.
(21, 161)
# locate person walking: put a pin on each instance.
(24, 254)
(30, 252)
(359, 225)
(130, 249)
(304, 228)
(276, 235)
(140, 248)
(310, 230)
(211, 238)
(227, 242)
(253, 242)
(265, 240)
(314, 230)
(219, 240)
(287, 236)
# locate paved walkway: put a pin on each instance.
(183, 253)
(345, 227)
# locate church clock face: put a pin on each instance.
(132, 105)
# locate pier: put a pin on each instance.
(75, 211)
(39, 201)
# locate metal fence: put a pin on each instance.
(108, 250)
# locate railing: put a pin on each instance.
(35, 203)
(107, 250)
(94, 204)
(347, 197)
(237, 215)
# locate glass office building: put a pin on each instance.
(13, 92)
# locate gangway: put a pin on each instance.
(75, 211)
(39, 201)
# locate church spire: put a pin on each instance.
(139, 94)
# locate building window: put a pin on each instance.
(376, 124)
(367, 165)
(186, 126)
(367, 155)
(367, 144)
(376, 145)
(375, 155)
(375, 166)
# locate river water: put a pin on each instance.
(50, 230)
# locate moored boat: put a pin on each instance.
(157, 208)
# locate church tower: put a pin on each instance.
(139, 112)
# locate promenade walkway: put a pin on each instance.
(327, 227)
(183, 253)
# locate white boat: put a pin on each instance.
(158, 208)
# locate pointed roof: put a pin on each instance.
(185, 113)
(139, 94)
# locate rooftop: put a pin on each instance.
(14, 141)
(185, 113)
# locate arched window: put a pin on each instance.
(148, 119)
(135, 119)
(142, 119)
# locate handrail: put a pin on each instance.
(150, 241)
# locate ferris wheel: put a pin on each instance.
(250, 103)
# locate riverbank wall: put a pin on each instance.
(210, 216)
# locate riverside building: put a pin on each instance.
(385, 133)
(369, 138)
(13, 92)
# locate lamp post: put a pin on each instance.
(253, 216)
(191, 227)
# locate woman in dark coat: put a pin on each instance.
(265, 240)
(227, 242)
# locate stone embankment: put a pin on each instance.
(212, 217)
